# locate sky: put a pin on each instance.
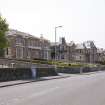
(81, 20)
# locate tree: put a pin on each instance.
(3, 40)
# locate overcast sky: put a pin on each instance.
(82, 20)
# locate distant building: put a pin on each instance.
(90, 52)
(79, 53)
(26, 46)
(85, 52)
(100, 55)
(59, 51)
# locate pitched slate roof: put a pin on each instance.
(89, 44)
(80, 46)
(13, 32)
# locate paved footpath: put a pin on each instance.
(61, 75)
(18, 82)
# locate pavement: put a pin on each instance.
(74, 90)
(19, 82)
(60, 75)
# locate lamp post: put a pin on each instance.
(55, 38)
(42, 47)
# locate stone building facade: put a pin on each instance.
(90, 52)
(100, 55)
(26, 46)
(85, 52)
(59, 51)
(79, 53)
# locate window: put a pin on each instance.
(7, 51)
(18, 40)
(62, 56)
(19, 52)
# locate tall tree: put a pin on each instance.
(3, 30)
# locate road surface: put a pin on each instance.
(77, 90)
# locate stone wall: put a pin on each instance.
(12, 69)
(75, 70)
(9, 74)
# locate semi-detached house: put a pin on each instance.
(26, 46)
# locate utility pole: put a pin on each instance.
(55, 39)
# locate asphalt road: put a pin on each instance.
(77, 90)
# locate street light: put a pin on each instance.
(55, 38)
